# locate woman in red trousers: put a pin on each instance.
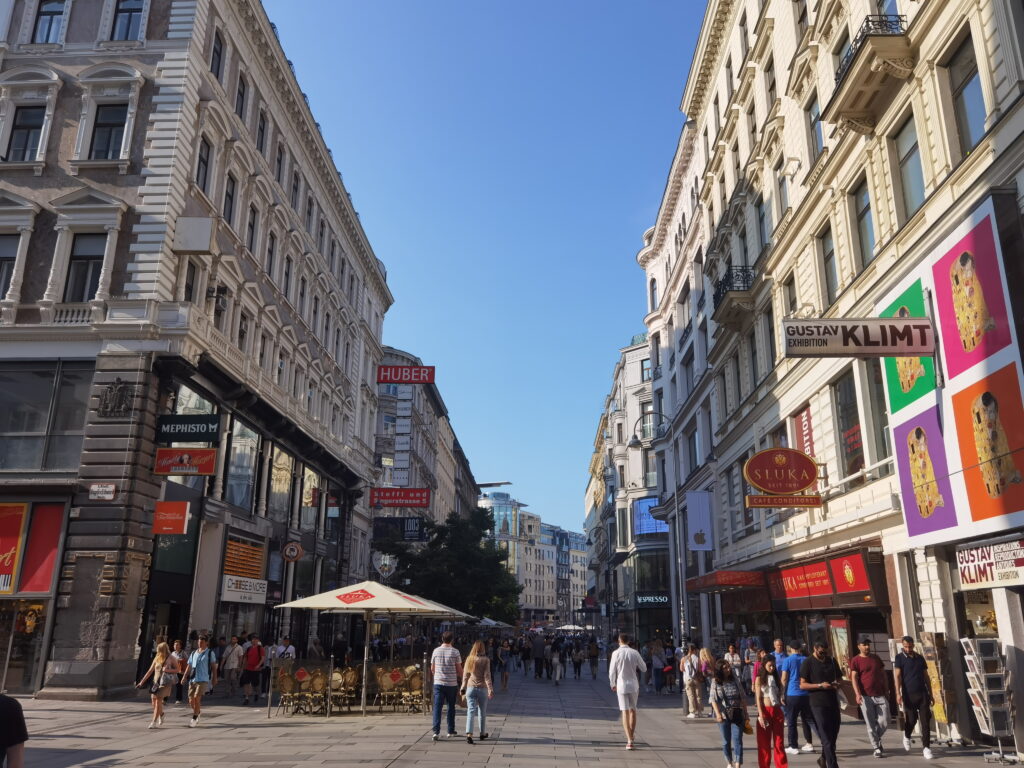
(770, 718)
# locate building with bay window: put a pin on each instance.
(845, 160)
(176, 244)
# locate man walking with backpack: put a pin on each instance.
(202, 665)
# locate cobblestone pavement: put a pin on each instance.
(533, 724)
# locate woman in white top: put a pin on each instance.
(770, 717)
(735, 661)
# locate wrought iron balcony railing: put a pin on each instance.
(734, 279)
(872, 26)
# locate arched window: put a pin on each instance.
(654, 294)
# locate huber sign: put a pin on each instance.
(782, 473)
(859, 337)
(405, 374)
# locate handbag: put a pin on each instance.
(155, 687)
(460, 701)
(747, 728)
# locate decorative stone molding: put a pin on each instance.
(29, 85)
(106, 83)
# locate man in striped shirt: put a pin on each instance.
(446, 671)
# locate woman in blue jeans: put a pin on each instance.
(730, 711)
(477, 687)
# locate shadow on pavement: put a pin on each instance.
(66, 758)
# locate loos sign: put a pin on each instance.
(781, 471)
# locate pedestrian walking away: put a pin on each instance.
(164, 672)
(593, 655)
(505, 660)
(526, 655)
(478, 688)
(13, 733)
(200, 672)
(559, 657)
(914, 696)
(231, 665)
(538, 649)
(252, 669)
(798, 704)
(771, 720)
(181, 657)
(820, 676)
(578, 655)
(871, 687)
(624, 669)
(707, 671)
(693, 682)
(730, 711)
(446, 672)
(658, 666)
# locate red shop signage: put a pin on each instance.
(782, 471)
(12, 524)
(400, 497)
(185, 461)
(850, 573)
(804, 581)
(405, 374)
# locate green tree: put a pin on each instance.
(459, 566)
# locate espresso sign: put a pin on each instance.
(781, 471)
(859, 337)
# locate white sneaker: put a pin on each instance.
(692, 715)
(160, 720)
(927, 753)
(906, 743)
(792, 751)
(152, 724)
(194, 722)
(808, 747)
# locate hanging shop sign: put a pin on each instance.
(858, 337)
(292, 552)
(399, 529)
(238, 589)
(399, 497)
(170, 518)
(12, 523)
(405, 374)
(782, 473)
(185, 461)
(765, 501)
(991, 566)
(849, 573)
(652, 599)
(698, 521)
(384, 564)
(188, 429)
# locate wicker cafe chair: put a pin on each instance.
(412, 695)
(313, 699)
(344, 687)
(389, 687)
(289, 691)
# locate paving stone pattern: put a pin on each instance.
(533, 724)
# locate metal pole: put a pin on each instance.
(330, 684)
(270, 686)
(684, 613)
(366, 659)
(10, 645)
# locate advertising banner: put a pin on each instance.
(399, 528)
(993, 565)
(858, 337)
(185, 461)
(12, 524)
(849, 573)
(958, 447)
(698, 521)
(170, 518)
(239, 589)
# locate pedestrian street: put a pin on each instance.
(532, 724)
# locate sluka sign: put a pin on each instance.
(859, 337)
(782, 473)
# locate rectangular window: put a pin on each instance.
(764, 223)
(737, 384)
(190, 281)
(321, 236)
(851, 439)
(279, 164)
(865, 225)
(240, 481)
(251, 228)
(908, 157)
(691, 451)
(43, 407)
(261, 131)
(301, 303)
(271, 252)
(801, 15)
(783, 186)
(286, 279)
(262, 357)
(769, 82)
(789, 295)
(829, 266)
(647, 422)
(243, 331)
(744, 251)
(315, 315)
(968, 102)
(229, 199)
(127, 20)
(728, 78)
(217, 56)
(295, 191)
(240, 92)
(49, 19)
(25, 134)
(332, 261)
(755, 371)
(645, 370)
(744, 36)
(310, 210)
(752, 127)
(879, 414)
(815, 128)
(203, 165)
(769, 330)
(84, 268)
(650, 469)
(8, 255)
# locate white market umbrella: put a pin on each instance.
(371, 598)
(570, 628)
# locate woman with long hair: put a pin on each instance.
(475, 677)
(657, 665)
(707, 671)
(771, 721)
(730, 711)
(164, 671)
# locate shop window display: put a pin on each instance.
(241, 467)
(22, 624)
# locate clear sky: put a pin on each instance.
(505, 159)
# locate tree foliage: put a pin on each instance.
(459, 566)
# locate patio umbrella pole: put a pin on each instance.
(366, 659)
(391, 622)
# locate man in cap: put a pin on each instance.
(914, 695)
(871, 687)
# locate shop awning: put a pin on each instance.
(726, 581)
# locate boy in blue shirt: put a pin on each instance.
(203, 663)
(797, 701)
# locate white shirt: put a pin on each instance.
(285, 652)
(622, 669)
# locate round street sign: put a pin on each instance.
(782, 471)
(292, 551)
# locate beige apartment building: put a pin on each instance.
(177, 251)
(846, 160)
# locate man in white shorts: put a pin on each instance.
(624, 670)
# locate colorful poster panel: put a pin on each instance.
(990, 429)
(969, 294)
(908, 378)
(924, 475)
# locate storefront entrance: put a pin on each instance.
(22, 627)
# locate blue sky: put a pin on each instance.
(505, 160)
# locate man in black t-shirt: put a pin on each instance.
(13, 733)
(914, 695)
(820, 676)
